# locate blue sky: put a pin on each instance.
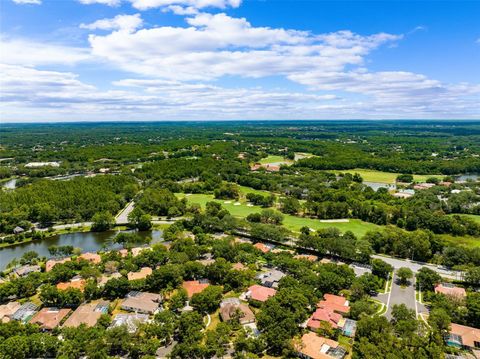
(88, 60)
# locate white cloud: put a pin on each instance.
(103, 2)
(217, 45)
(198, 4)
(127, 23)
(181, 10)
(32, 2)
(30, 53)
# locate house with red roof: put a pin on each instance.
(329, 310)
(259, 293)
(450, 290)
(194, 286)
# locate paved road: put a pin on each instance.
(415, 266)
(400, 295)
(122, 216)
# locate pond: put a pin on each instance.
(87, 241)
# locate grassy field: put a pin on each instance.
(240, 209)
(467, 241)
(385, 177)
(475, 217)
(275, 159)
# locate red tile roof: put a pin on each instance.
(315, 347)
(264, 248)
(193, 287)
(451, 291)
(335, 303)
(259, 293)
(469, 335)
(324, 315)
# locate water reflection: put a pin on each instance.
(87, 241)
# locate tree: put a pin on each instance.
(208, 300)
(102, 221)
(439, 320)
(472, 276)
(290, 205)
(427, 279)
(404, 274)
(381, 268)
(406, 178)
(140, 220)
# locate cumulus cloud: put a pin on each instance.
(127, 23)
(33, 2)
(215, 45)
(177, 72)
(30, 53)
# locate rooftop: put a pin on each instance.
(470, 337)
(87, 314)
(77, 283)
(141, 274)
(142, 302)
(91, 257)
(7, 310)
(53, 262)
(49, 318)
(451, 290)
(194, 286)
(315, 347)
(260, 293)
(229, 310)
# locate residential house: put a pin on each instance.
(312, 346)
(263, 247)
(141, 274)
(464, 337)
(271, 278)
(451, 290)
(259, 293)
(26, 270)
(49, 318)
(422, 186)
(195, 286)
(142, 302)
(76, 283)
(307, 257)
(7, 310)
(53, 262)
(331, 311)
(232, 307)
(105, 278)
(131, 321)
(239, 266)
(91, 257)
(25, 312)
(88, 314)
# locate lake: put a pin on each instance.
(87, 241)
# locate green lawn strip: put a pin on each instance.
(466, 241)
(293, 223)
(385, 177)
(245, 190)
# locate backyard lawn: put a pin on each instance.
(242, 210)
(385, 177)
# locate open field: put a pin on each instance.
(240, 209)
(273, 159)
(385, 177)
(467, 241)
